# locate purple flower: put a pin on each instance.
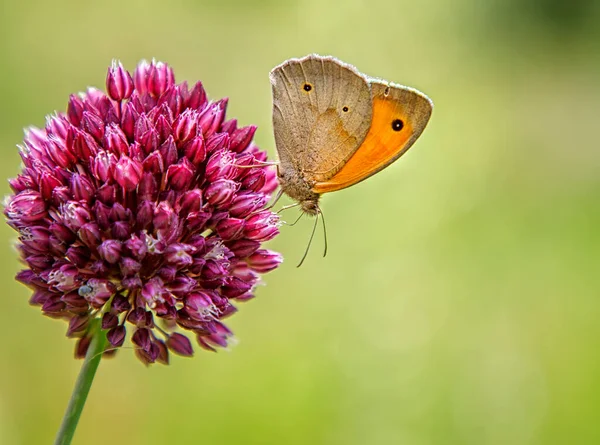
(132, 208)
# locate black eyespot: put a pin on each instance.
(307, 87)
(397, 125)
(345, 109)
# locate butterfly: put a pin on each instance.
(335, 127)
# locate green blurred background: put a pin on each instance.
(459, 302)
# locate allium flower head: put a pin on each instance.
(132, 207)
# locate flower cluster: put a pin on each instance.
(134, 207)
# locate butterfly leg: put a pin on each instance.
(270, 206)
(297, 219)
(258, 164)
(291, 206)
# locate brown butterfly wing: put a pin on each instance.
(400, 115)
(321, 114)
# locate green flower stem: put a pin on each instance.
(83, 385)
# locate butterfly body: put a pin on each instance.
(299, 188)
(335, 127)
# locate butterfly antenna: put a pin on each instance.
(309, 241)
(324, 233)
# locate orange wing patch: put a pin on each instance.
(399, 117)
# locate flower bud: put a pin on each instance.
(221, 192)
(262, 226)
(116, 336)
(180, 344)
(180, 176)
(119, 83)
(195, 150)
(93, 125)
(128, 173)
(82, 188)
(185, 126)
(115, 141)
(241, 138)
(246, 203)
(263, 261)
(160, 78)
(230, 228)
(26, 207)
(110, 251)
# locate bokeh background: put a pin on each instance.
(459, 302)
